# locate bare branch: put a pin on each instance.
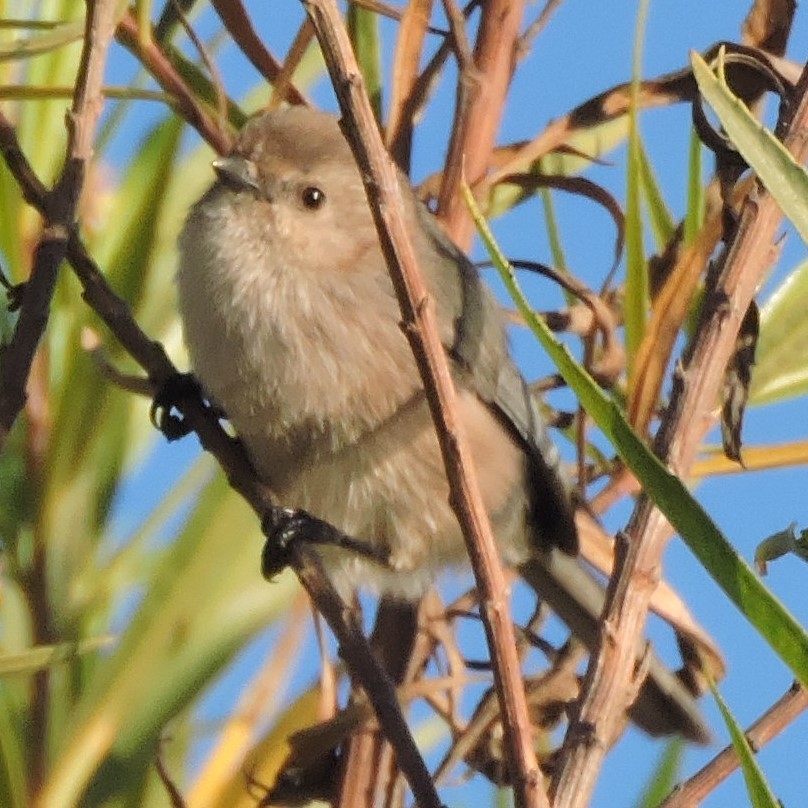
(482, 92)
(59, 210)
(765, 729)
(157, 63)
(420, 326)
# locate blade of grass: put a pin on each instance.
(59, 35)
(664, 776)
(206, 599)
(781, 369)
(662, 223)
(553, 232)
(635, 308)
(760, 794)
(694, 216)
(363, 27)
(14, 754)
(46, 656)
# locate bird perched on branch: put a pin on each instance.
(293, 329)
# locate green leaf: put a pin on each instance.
(593, 141)
(206, 600)
(13, 753)
(363, 27)
(760, 794)
(635, 307)
(662, 222)
(694, 216)
(59, 35)
(771, 619)
(46, 656)
(553, 232)
(781, 361)
(782, 176)
(664, 776)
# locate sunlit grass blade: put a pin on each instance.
(363, 28)
(659, 215)
(760, 794)
(57, 36)
(267, 755)
(664, 776)
(206, 599)
(553, 231)
(266, 694)
(635, 305)
(781, 361)
(694, 215)
(14, 754)
(46, 656)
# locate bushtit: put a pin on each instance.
(293, 328)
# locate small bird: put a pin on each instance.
(293, 329)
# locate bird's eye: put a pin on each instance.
(313, 197)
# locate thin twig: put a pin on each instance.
(420, 326)
(369, 771)
(400, 135)
(59, 209)
(782, 713)
(207, 60)
(481, 102)
(282, 87)
(537, 26)
(354, 649)
(409, 49)
(239, 26)
(174, 794)
(695, 392)
(152, 57)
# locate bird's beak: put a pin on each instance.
(237, 172)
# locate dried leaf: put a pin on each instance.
(531, 182)
(670, 308)
(768, 25)
(737, 379)
(779, 544)
(671, 88)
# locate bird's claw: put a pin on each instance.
(282, 527)
(164, 413)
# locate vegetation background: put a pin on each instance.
(140, 649)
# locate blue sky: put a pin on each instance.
(586, 49)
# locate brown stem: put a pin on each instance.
(239, 26)
(158, 64)
(369, 774)
(482, 93)
(354, 649)
(417, 308)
